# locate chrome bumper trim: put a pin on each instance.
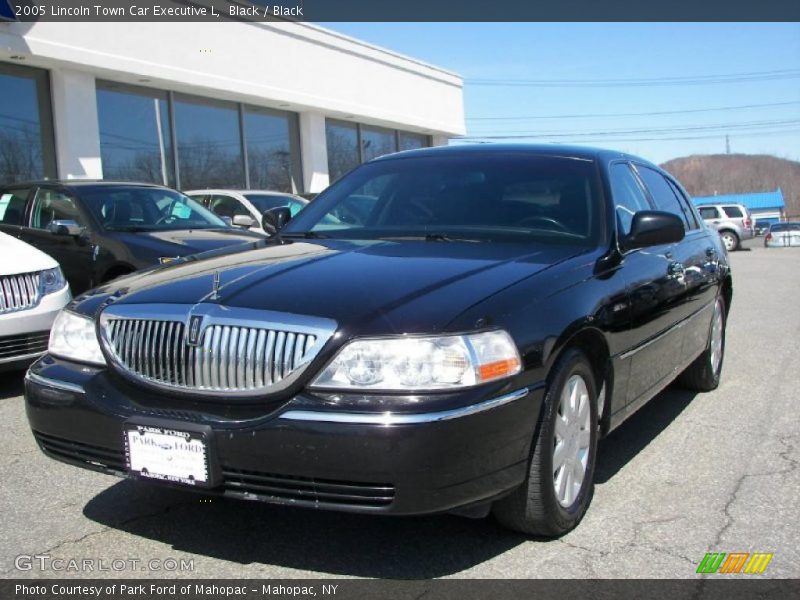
(21, 357)
(388, 418)
(54, 383)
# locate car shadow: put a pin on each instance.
(339, 543)
(630, 438)
(344, 544)
(12, 384)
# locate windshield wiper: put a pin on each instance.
(308, 235)
(431, 237)
(130, 228)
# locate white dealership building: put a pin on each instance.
(278, 105)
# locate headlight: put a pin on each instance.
(422, 363)
(73, 336)
(51, 281)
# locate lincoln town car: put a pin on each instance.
(444, 330)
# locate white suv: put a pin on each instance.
(32, 292)
(733, 221)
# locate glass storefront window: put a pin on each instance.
(376, 142)
(272, 150)
(135, 138)
(343, 153)
(412, 141)
(209, 144)
(27, 149)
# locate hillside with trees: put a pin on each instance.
(706, 175)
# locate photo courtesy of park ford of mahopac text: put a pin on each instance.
(397, 300)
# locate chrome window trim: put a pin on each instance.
(389, 418)
(215, 315)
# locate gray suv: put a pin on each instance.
(733, 222)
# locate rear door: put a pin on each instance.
(739, 216)
(692, 268)
(56, 227)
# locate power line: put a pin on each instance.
(636, 114)
(783, 131)
(612, 132)
(645, 82)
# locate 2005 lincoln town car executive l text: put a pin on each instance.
(447, 329)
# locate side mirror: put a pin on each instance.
(275, 218)
(245, 221)
(653, 228)
(65, 227)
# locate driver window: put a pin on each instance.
(50, 205)
(629, 197)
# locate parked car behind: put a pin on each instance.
(733, 221)
(761, 227)
(782, 235)
(98, 230)
(245, 208)
(457, 343)
(32, 291)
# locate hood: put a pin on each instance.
(18, 257)
(368, 287)
(184, 241)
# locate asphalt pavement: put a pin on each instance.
(688, 474)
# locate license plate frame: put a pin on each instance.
(189, 462)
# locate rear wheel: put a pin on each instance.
(730, 240)
(703, 374)
(559, 484)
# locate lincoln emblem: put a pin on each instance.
(193, 337)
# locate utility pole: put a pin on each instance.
(727, 144)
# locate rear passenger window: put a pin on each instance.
(733, 212)
(12, 206)
(662, 193)
(686, 204)
(708, 212)
(629, 197)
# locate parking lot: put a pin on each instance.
(690, 473)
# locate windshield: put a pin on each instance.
(148, 209)
(264, 202)
(480, 197)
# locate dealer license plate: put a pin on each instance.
(167, 454)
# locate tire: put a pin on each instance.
(730, 240)
(704, 373)
(534, 508)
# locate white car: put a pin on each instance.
(782, 235)
(32, 292)
(245, 208)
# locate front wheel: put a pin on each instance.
(559, 484)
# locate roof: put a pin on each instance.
(554, 150)
(76, 183)
(753, 200)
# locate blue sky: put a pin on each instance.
(603, 51)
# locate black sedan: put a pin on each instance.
(99, 230)
(459, 343)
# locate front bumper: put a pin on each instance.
(302, 452)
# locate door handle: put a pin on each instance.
(676, 269)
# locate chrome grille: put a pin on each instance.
(18, 292)
(240, 356)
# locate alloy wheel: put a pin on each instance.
(572, 440)
(716, 338)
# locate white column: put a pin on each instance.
(439, 140)
(314, 151)
(75, 120)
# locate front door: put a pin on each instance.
(56, 227)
